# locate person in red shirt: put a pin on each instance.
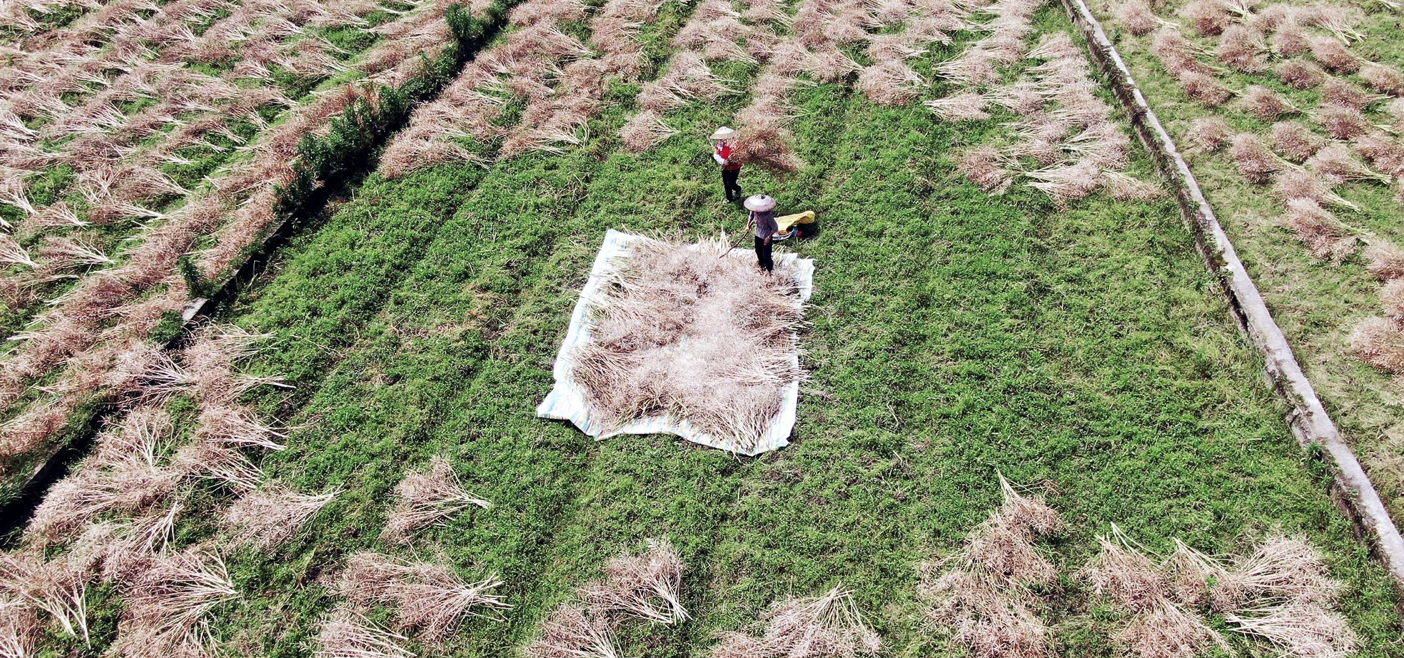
(730, 169)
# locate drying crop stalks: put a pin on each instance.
(645, 587)
(267, 518)
(824, 626)
(124, 474)
(1066, 130)
(645, 130)
(525, 64)
(572, 632)
(347, 634)
(31, 585)
(117, 512)
(983, 596)
(714, 32)
(1279, 595)
(1159, 626)
(648, 333)
(428, 598)
(1250, 39)
(549, 122)
(890, 80)
(77, 330)
(425, 498)
(167, 607)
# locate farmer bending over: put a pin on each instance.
(762, 210)
(722, 152)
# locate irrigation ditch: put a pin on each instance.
(301, 209)
(1308, 419)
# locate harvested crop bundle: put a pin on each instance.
(168, 606)
(890, 83)
(345, 634)
(1337, 162)
(267, 518)
(427, 497)
(1306, 630)
(1382, 151)
(826, 626)
(1242, 48)
(644, 131)
(1175, 52)
(683, 338)
(1136, 16)
(1168, 631)
(986, 167)
(1337, 91)
(1209, 17)
(1333, 54)
(1342, 121)
(1294, 141)
(1208, 133)
(646, 586)
(1157, 626)
(1300, 74)
(982, 594)
(1066, 183)
(1281, 568)
(1300, 184)
(1204, 88)
(767, 144)
(571, 632)
(964, 106)
(1324, 235)
(1380, 343)
(428, 597)
(1128, 188)
(1263, 103)
(1126, 575)
(1254, 160)
(1385, 260)
(1383, 79)
(58, 586)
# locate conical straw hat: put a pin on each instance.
(759, 202)
(723, 133)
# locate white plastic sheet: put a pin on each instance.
(566, 401)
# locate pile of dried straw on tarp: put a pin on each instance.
(678, 332)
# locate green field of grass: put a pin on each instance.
(1084, 354)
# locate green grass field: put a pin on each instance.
(1084, 354)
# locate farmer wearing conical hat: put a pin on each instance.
(762, 209)
(723, 150)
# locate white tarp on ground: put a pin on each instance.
(567, 399)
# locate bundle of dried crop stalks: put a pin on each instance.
(824, 626)
(1158, 625)
(268, 517)
(647, 587)
(678, 332)
(77, 331)
(427, 497)
(981, 596)
(1064, 127)
(347, 634)
(428, 598)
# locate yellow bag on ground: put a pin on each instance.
(788, 221)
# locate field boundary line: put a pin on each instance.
(1310, 422)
